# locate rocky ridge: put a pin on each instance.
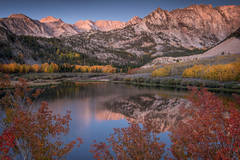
(164, 112)
(161, 33)
(228, 46)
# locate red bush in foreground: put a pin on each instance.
(31, 133)
(212, 130)
(130, 143)
(7, 141)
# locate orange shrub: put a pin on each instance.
(161, 72)
(35, 67)
(109, 69)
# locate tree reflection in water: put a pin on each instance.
(208, 129)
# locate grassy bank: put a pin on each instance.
(41, 80)
(182, 83)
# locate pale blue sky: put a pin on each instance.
(71, 11)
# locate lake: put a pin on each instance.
(97, 108)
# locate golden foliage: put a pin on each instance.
(35, 68)
(49, 68)
(161, 72)
(220, 72)
(26, 68)
(52, 67)
(96, 68)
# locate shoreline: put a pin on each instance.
(39, 80)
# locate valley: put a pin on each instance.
(163, 85)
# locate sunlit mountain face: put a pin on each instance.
(176, 33)
(130, 78)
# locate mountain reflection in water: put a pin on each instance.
(98, 108)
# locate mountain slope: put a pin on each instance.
(177, 33)
(105, 25)
(195, 26)
(230, 45)
(31, 50)
(162, 33)
(85, 25)
(58, 27)
(23, 25)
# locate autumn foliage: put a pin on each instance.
(96, 68)
(130, 143)
(52, 68)
(26, 68)
(212, 130)
(161, 72)
(7, 141)
(31, 132)
(221, 72)
(49, 68)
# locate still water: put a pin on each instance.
(97, 108)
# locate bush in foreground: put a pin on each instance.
(31, 133)
(210, 131)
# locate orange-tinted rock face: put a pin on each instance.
(106, 25)
(17, 16)
(134, 20)
(195, 26)
(58, 27)
(86, 25)
(102, 25)
(23, 25)
(50, 19)
(195, 21)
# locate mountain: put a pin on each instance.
(50, 19)
(58, 27)
(23, 25)
(20, 24)
(53, 27)
(228, 46)
(176, 33)
(86, 25)
(104, 25)
(181, 32)
(134, 20)
(101, 25)
(32, 50)
(23, 49)
(195, 26)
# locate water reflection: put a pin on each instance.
(98, 108)
(164, 112)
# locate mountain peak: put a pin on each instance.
(84, 21)
(107, 25)
(134, 20)
(200, 6)
(85, 25)
(50, 19)
(18, 16)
